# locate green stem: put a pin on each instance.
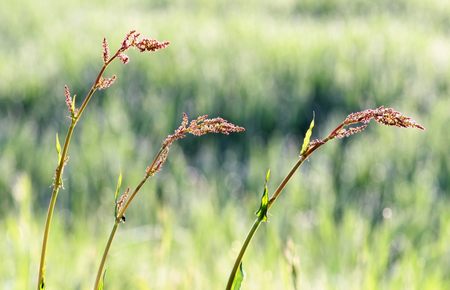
(59, 171)
(119, 216)
(238, 261)
(280, 187)
(273, 198)
(51, 207)
(105, 253)
(258, 221)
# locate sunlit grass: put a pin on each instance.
(264, 65)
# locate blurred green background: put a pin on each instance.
(368, 212)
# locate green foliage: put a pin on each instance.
(238, 278)
(116, 193)
(263, 208)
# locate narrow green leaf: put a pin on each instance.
(102, 282)
(238, 278)
(73, 105)
(116, 194)
(58, 148)
(262, 211)
(308, 134)
(119, 184)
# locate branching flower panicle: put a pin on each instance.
(158, 163)
(130, 40)
(147, 44)
(346, 132)
(179, 133)
(391, 117)
(201, 126)
(382, 115)
(144, 44)
(198, 127)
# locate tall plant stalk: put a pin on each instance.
(198, 127)
(131, 40)
(354, 123)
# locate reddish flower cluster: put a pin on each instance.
(198, 127)
(104, 83)
(144, 44)
(68, 98)
(360, 120)
(160, 160)
(179, 133)
(346, 132)
(382, 115)
(130, 40)
(105, 51)
(123, 58)
(151, 45)
(202, 126)
(121, 202)
(316, 142)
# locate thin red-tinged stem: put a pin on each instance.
(136, 190)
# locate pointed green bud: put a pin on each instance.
(116, 194)
(262, 211)
(58, 148)
(308, 134)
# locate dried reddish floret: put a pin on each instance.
(68, 98)
(147, 44)
(105, 51)
(382, 115)
(123, 58)
(129, 40)
(104, 83)
(346, 132)
(198, 127)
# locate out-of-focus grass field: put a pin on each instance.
(265, 65)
